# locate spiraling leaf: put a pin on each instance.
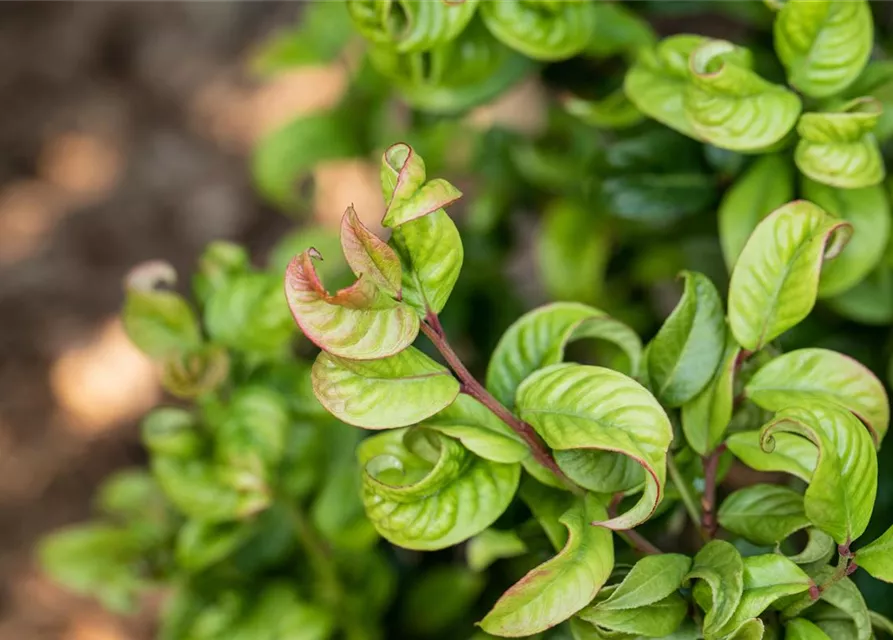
(396, 391)
(410, 25)
(407, 191)
(359, 322)
(730, 106)
(425, 491)
(479, 430)
(841, 492)
(651, 579)
(541, 29)
(823, 44)
(706, 416)
(491, 545)
(775, 281)
(538, 338)
(792, 454)
(804, 375)
(656, 620)
(599, 422)
(877, 557)
(368, 254)
(765, 514)
(766, 185)
(656, 82)
(803, 629)
(838, 148)
(684, 354)
(560, 587)
(721, 568)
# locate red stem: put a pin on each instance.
(708, 501)
(432, 328)
(636, 540)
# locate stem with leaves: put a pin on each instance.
(432, 328)
(685, 492)
(633, 538)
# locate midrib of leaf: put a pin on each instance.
(681, 351)
(607, 604)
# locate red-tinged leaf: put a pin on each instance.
(369, 255)
(406, 191)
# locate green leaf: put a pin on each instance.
(410, 25)
(541, 29)
(171, 431)
(775, 281)
(652, 579)
(838, 148)
(764, 514)
(396, 391)
(220, 262)
(819, 549)
(425, 491)
(323, 32)
(280, 605)
(547, 504)
(613, 111)
(803, 629)
(804, 375)
(792, 454)
(440, 598)
(491, 545)
(881, 622)
(286, 156)
(358, 322)
(201, 544)
(601, 424)
(407, 191)
(655, 620)
(842, 612)
(572, 252)
(479, 430)
(706, 416)
(875, 81)
(841, 493)
(246, 314)
(877, 557)
(656, 82)
(868, 211)
(766, 185)
(618, 30)
(252, 435)
(687, 349)
(719, 565)
(658, 200)
(730, 106)
(159, 323)
(823, 45)
(562, 586)
(369, 255)
(537, 339)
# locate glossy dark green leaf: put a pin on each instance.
(685, 353)
(765, 514)
(658, 199)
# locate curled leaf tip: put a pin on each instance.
(314, 253)
(150, 275)
(370, 256)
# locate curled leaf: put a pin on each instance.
(359, 322)
(721, 569)
(541, 29)
(775, 281)
(192, 373)
(823, 44)
(538, 339)
(765, 514)
(602, 425)
(425, 491)
(792, 454)
(410, 25)
(838, 148)
(730, 106)
(557, 589)
(408, 194)
(804, 375)
(396, 391)
(368, 254)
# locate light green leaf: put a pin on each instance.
(425, 491)
(842, 612)
(838, 148)
(368, 254)
(396, 391)
(613, 111)
(547, 504)
(201, 544)
(479, 430)
(656, 82)
(407, 191)
(618, 30)
(562, 586)
(766, 185)
(730, 106)
(877, 557)
(608, 420)
(706, 416)
(819, 548)
(792, 454)
(410, 25)
(764, 514)
(652, 579)
(537, 339)
(881, 622)
(655, 620)
(841, 493)
(541, 29)
(804, 375)
(359, 322)
(171, 431)
(868, 211)
(823, 44)
(219, 263)
(251, 435)
(686, 351)
(721, 568)
(876, 81)
(803, 629)
(775, 281)
(491, 545)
